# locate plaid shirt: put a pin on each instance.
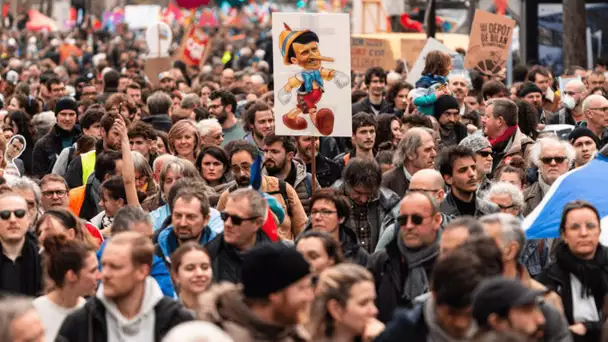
(358, 220)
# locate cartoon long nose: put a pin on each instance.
(321, 58)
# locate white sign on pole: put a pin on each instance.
(159, 38)
(141, 16)
(432, 44)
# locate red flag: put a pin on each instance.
(194, 46)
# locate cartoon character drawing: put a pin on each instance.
(302, 48)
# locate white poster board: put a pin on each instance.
(312, 74)
(159, 37)
(433, 44)
(141, 16)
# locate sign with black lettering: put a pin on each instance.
(370, 52)
(490, 42)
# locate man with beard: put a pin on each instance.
(572, 111)
(242, 155)
(363, 139)
(459, 86)
(167, 82)
(279, 162)
(222, 105)
(83, 165)
(459, 170)
(276, 292)
(259, 123)
(374, 103)
(189, 219)
(447, 113)
(328, 171)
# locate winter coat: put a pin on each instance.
(224, 306)
(533, 195)
(520, 145)
(365, 106)
(168, 243)
(396, 181)
(351, 248)
(303, 184)
(48, 148)
(328, 171)
(381, 211)
(88, 324)
(294, 223)
(160, 122)
(448, 207)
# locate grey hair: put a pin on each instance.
(393, 76)
(467, 78)
(257, 79)
(197, 331)
(159, 103)
(409, 144)
(205, 126)
(587, 103)
(12, 308)
(190, 101)
(141, 164)
(510, 226)
(506, 188)
(258, 207)
(471, 224)
(26, 183)
(182, 167)
(125, 217)
(43, 122)
(164, 158)
(544, 142)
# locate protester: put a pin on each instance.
(363, 138)
(184, 140)
(585, 143)
(192, 273)
(210, 131)
(58, 221)
(223, 107)
(483, 159)
(259, 123)
(126, 261)
(320, 250)
(447, 113)
(54, 191)
(159, 106)
(374, 103)
(398, 96)
(214, 166)
(328, 171)
(433, 82)
(20, 321)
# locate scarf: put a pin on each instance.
(417, 282)
(504, 137)
(593, 274)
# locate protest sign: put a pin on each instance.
(432, 44)
(194, 46)
(141, 16)
(411, 48)
(154, 66)
(312, 74)
(368, 52)
(159, 38)
(491, 36)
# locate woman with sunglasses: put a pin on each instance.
(72, 270)
(579, 273)
(191, 272)
(329, 213)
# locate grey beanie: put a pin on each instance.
(475, 142)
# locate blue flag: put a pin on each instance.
(589, 183)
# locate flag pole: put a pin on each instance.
(314, 164)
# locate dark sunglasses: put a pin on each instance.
(416, 219)
(6, 214)
(484, 154)
(548, 160)
(505, 207)
(236, 220)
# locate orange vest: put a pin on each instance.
(76, 199)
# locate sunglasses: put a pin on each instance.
(6, 214)
(416, 219)
(484, 154)
(505, 207)
(236, 220)
(548, 160)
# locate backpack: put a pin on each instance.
(283, 192)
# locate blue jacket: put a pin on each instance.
(159, 272)
(167, 242)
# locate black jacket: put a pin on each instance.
(103, 97)
(366, 106)
(328, 171)
(160, 122)
(90, 205)
(561, 117)
(351, 248)
(448, 207)
(227, 261)
(407, 324)
(48, 148)
(88, 324)
(30, 281)
(558, 280)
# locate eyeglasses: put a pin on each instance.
(323, 212)
(570, 93)
(236, 220)
(416, 219)
(548, 160)
(51, 193)
(240, 168)
(484, 154)
(604, 109)
(6, 214)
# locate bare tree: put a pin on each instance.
(575, 24)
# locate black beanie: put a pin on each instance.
(582, 132)
(66, 102)
(270, 268)
(529, 88)
(444, 103)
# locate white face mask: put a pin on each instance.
(568, 102)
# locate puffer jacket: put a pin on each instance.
(448, 207)
(381, 211)
(303, 189)
(292, 225)
(224, 305)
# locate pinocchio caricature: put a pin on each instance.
(302, 48)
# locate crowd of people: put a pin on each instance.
(132, 211)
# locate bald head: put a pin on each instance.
(575, 86)
(429, 181)
(595, 101)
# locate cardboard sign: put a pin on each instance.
(491, 36)
(194, 46)
(431, 44)
(154, 66)
(369, 52)
(411, 48)
(312, 74)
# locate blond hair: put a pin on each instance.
(181, 127)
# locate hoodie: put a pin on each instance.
(139, 328)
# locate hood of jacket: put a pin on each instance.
(135, 325)
(224, 306)
(167, 241)
(300, 171)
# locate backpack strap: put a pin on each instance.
(283, 192)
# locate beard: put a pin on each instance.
(222, 116)
(275, 168)
(242, 182)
